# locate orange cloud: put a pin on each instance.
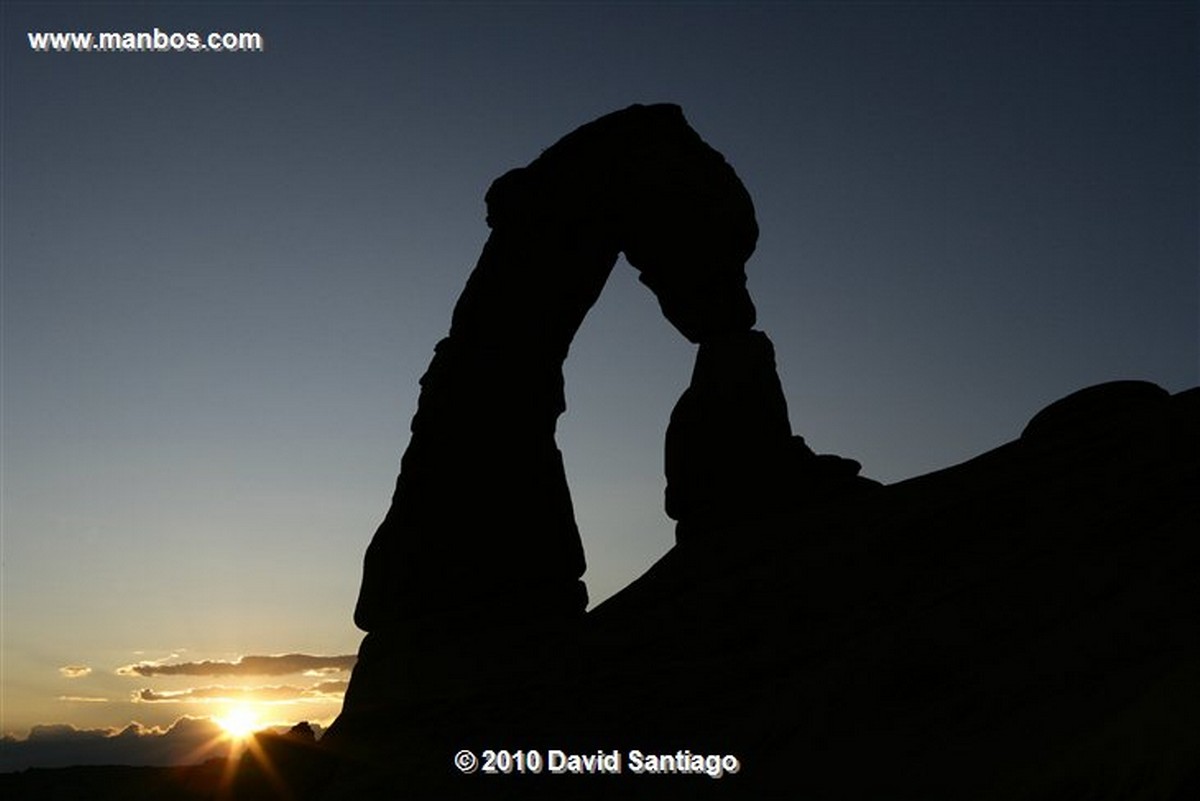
(74, 671)
(326, 690)
(281, 665)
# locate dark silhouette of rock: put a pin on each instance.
(730, 453)
(1017, 626)
(480, 548)
(1020, 626)
(639, 180)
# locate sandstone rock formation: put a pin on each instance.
(481, 526)
(1018, 626)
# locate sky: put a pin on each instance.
(223, 274)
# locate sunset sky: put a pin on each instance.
(223, 275)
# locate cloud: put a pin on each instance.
(325, 690)
(74, 671)
(325, 671)
(83, 699)
(281, 665)
(332, 689)
(187, 741)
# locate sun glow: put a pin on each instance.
(239, 722)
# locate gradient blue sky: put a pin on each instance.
(224, 274)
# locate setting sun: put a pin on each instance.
(239, 722)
